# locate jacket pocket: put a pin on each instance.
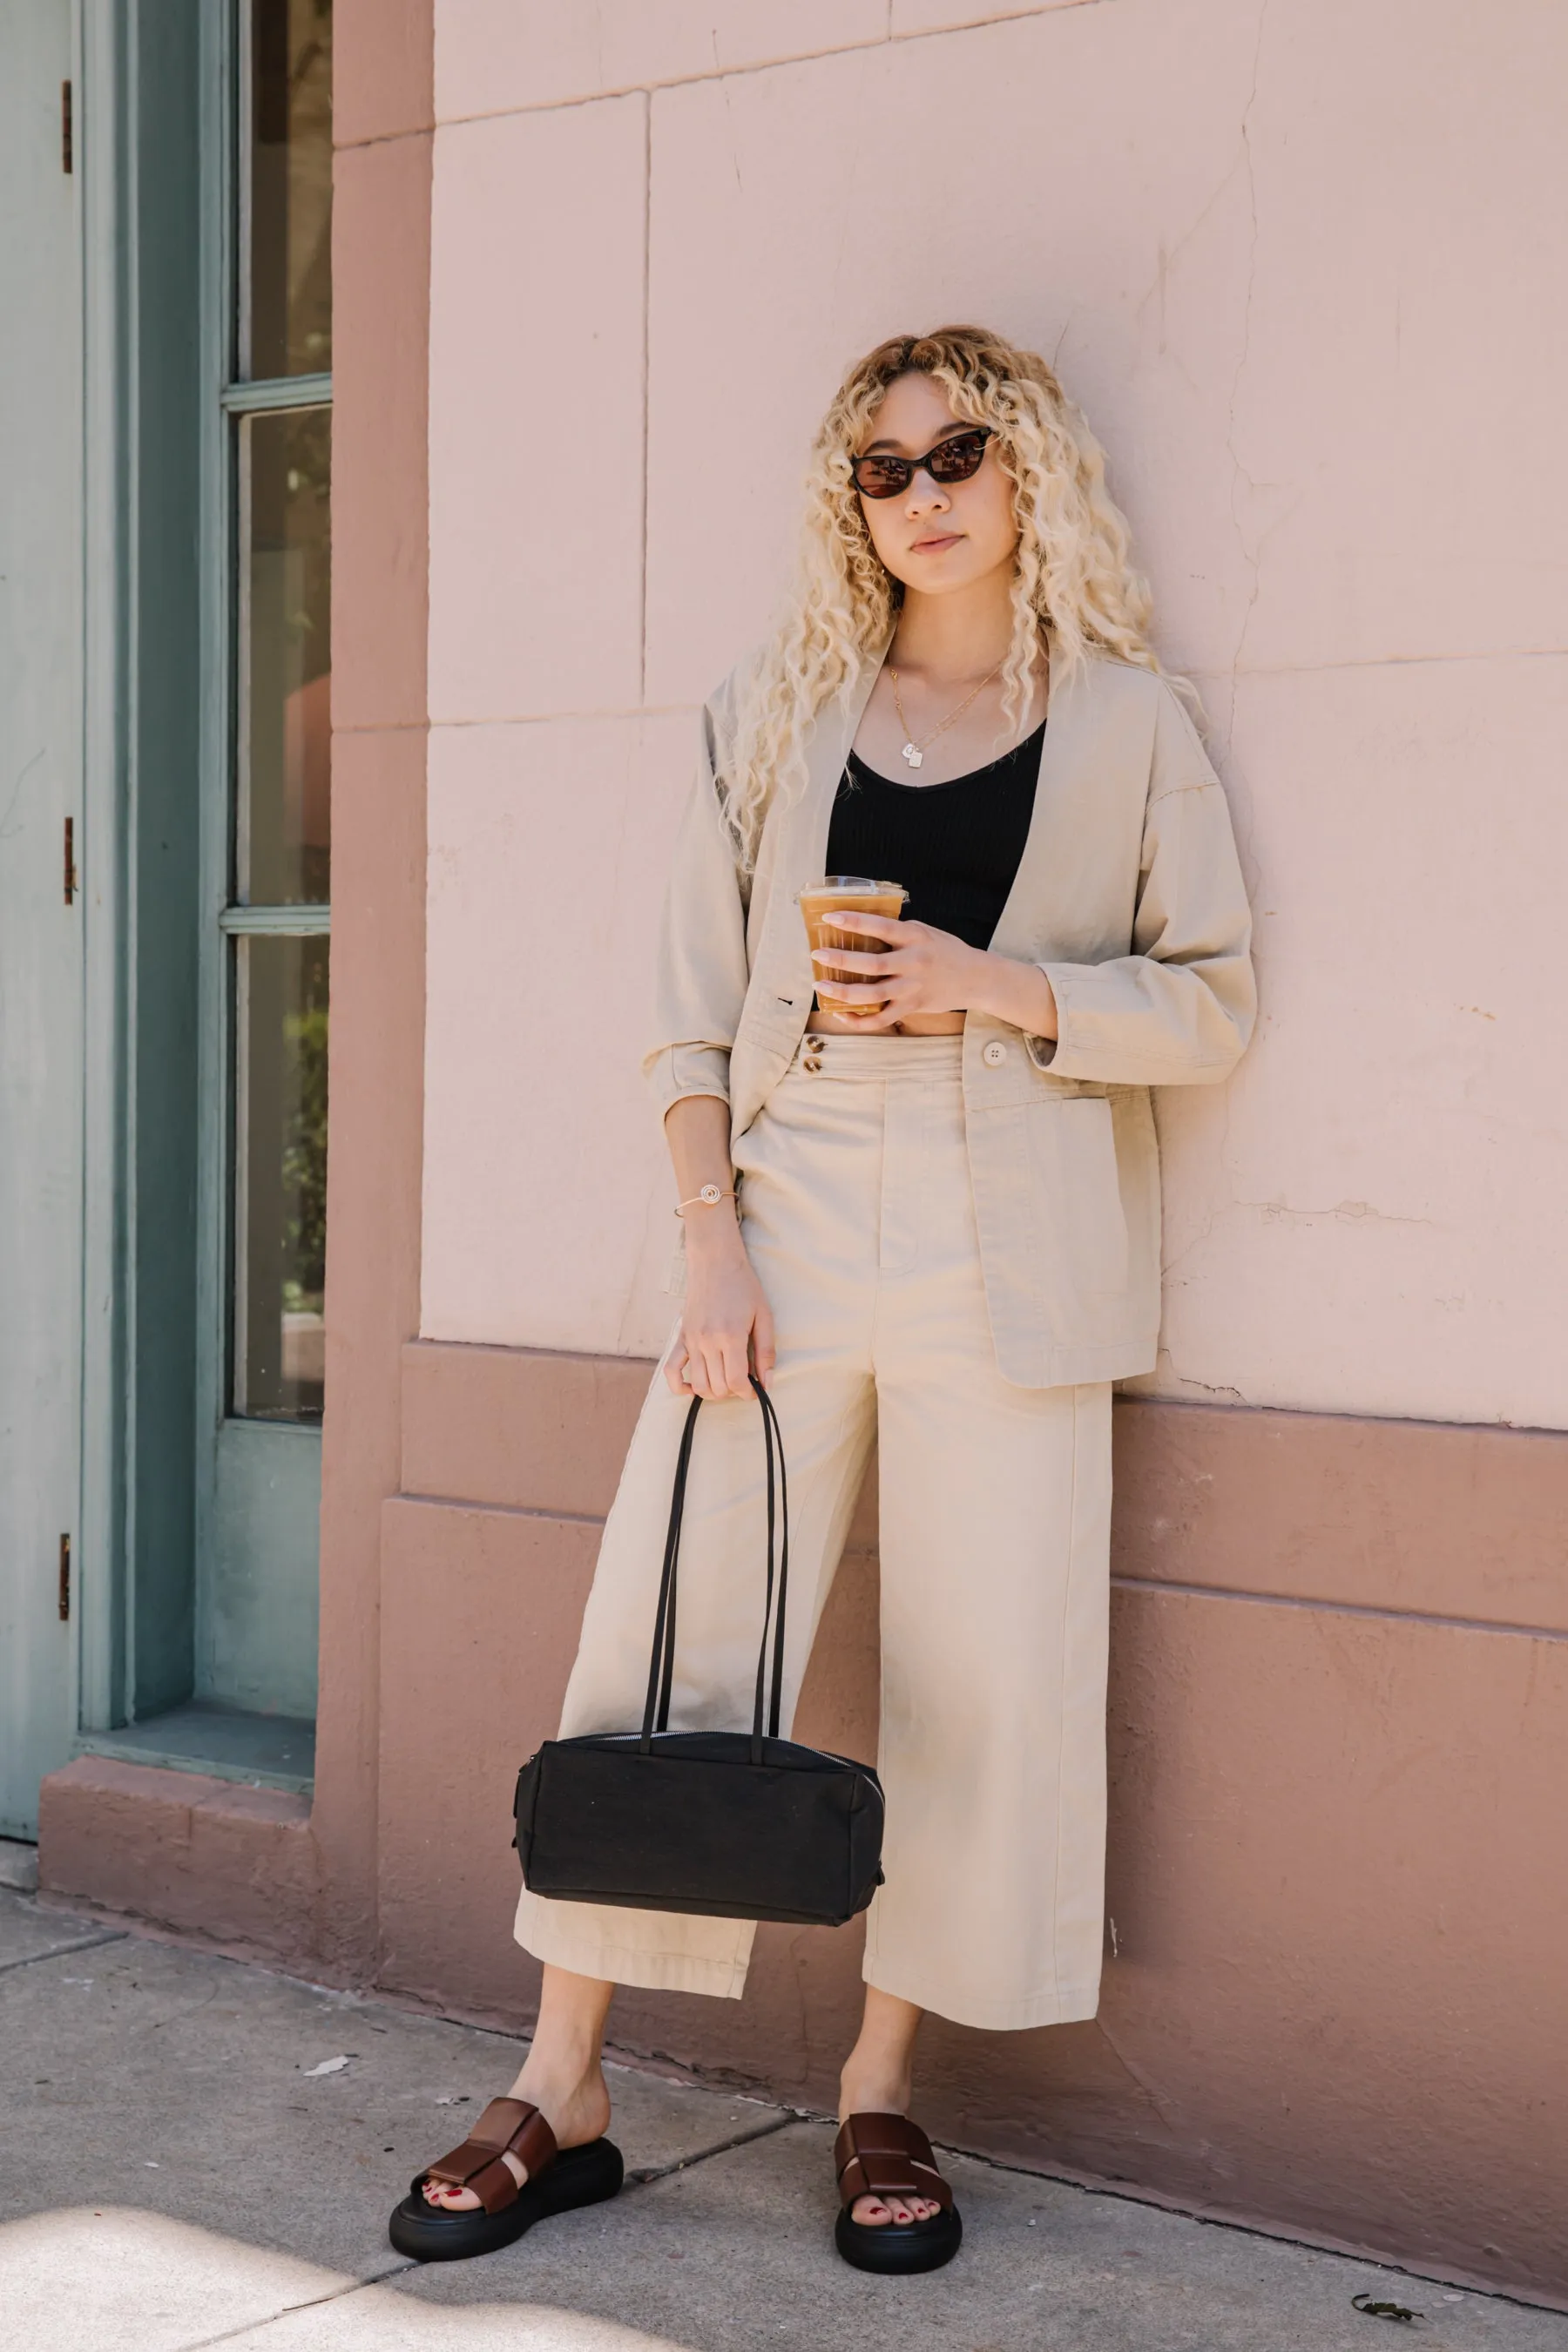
(1074, 1209)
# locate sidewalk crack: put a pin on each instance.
(288, 2310)
(641, 2179)
(63, 1951)
(647, 2173)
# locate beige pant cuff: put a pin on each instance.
(556, 1934)
(1058, 2005)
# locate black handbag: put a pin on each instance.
(729, 1824)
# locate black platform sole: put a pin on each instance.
(580, 2176)
(898, 2249)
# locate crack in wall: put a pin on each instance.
(1352, 1212)
(1344, 1213)
(1251, 556)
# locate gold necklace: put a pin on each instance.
(915, 753)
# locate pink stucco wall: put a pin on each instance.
(1300, 259)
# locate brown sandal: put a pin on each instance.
(558, 2181)
(888, 2157)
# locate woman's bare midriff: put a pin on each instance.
(919, 1024)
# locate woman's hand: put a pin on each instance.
(725, 1328)
(727, 1325)
(927, 971)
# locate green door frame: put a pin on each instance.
(136, 116)
(258, 1482)
(100, 1699)
(41, 915)
(172, 1489)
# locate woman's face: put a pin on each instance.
(936, 539)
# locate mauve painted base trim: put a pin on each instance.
(1339, 1723)
(236, 1865)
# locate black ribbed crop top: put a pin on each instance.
(955, 846)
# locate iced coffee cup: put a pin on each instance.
(848, 894)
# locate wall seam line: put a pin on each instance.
(1139, 1398)
(1379, 661)
(760, 66)
(1136, 1401)
(382, 139)
(647, 313)
(385, 727)
(1312, 1605)
(1192, 669)
(1321, 1607)
(550, 717)
(501, 1510)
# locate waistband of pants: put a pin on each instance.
(825, 1055)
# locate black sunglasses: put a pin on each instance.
(953, 461)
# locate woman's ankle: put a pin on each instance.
(879, 2074)
(875, 2083)
(874, 2096)
(564, 2055)
(559, 2074)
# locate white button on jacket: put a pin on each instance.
(1128, 896)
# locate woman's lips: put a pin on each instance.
(935, 546)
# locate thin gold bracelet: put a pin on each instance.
(708, 1197)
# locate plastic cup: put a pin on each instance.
(849, 894)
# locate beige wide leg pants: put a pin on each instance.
(995, 1507)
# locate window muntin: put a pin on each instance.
(282, 845)
(285, 258)
(281, 1026)
(277, 918)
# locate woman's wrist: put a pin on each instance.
(712, 1232)
(1018, 993)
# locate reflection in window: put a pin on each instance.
(281, 806)
(290, 246)
(282, 1176)
(284, 815)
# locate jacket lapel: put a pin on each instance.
(836, 729)
(801, 852)
(1034, 911)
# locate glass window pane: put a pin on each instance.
(280, 1169)
(290, 191)
(285, 718)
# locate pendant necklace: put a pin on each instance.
(915, 753)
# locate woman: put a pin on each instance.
(923, 1204)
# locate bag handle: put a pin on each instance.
(661, 1666)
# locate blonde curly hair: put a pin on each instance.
(1074, 575)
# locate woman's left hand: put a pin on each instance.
(927, 971)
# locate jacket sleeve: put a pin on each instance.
(1180, 1009)
(702, 974)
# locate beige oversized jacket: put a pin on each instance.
(1128, 896)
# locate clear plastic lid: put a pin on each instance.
(858, 886)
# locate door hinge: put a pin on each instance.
(65, 1579)
(68, 141)
(71, 860)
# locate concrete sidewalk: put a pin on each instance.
(185, 2164)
